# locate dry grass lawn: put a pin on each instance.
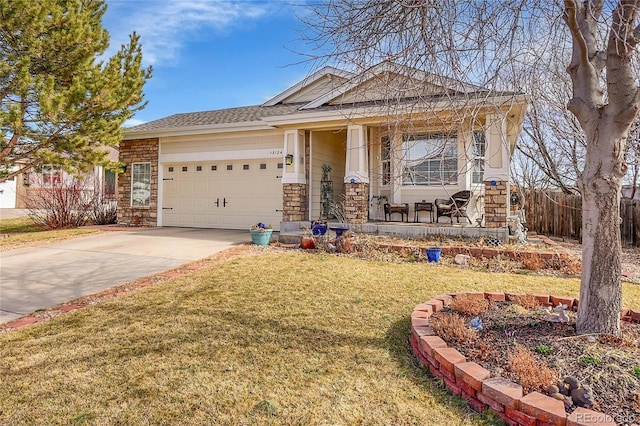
(278, 338)
(22, 232)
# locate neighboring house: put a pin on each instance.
(48, 177)
(8, 191)
(235, 167)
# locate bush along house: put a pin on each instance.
(380, 146)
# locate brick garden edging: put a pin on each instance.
(475, 384)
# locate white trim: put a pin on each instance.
(294, 145)
(369, 114)
(132, 188)
(328, 70)
(247, 154)
(310, 183)
(160, 200)
(197, 130)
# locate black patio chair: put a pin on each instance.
(455, 206)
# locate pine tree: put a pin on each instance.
(61, 101)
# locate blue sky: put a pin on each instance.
(211, 54)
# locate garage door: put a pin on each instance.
(225, 194)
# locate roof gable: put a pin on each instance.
(313, 86)
(376, 83)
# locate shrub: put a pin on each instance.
(543, 350)
(61, 203)
(532, 373)
(68, 202)
(528, 301)
(469, 304)
(452, 327)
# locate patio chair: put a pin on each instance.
(456, 206)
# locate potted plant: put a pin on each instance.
(261, 234)
(318, 227)
(326, 191)
(338, 211)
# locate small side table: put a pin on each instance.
(423, 207)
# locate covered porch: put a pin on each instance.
(365, 169)
(290, 232)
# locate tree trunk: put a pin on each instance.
(601, 182)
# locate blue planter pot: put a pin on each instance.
(433, 254)
(261, 238)
(319, 229)
(339, 230)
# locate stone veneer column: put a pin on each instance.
(495, 204)
(294, 202)
(138, 151)
(356, 204)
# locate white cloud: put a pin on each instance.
(133, 122)
(165, 25)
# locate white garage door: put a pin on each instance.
(222, 194)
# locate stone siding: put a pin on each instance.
(495, 204)
(356, 204)
(138, 151)
(294, 202)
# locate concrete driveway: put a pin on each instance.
(40, 277)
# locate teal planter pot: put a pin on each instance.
(261, 237)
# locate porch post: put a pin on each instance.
(356, 176)
(496, 173)
(294, 183)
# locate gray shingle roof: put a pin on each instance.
(221, 116)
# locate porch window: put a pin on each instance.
(51, 177)
(386, 160)
(140, 184)
(479, 148)
(430, 159)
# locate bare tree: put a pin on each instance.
(489, 42)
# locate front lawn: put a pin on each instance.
(22, 232)
(276, 338)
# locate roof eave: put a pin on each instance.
(197, 130)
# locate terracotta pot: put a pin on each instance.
(307, 243)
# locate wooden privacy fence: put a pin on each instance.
(560, 215)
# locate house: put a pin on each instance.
(389, 135)
(17, 191)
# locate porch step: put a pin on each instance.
(290, 237)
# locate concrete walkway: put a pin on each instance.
(40, 277)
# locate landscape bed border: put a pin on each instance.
(474, 383)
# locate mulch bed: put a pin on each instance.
(610, 365)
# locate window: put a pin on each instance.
(280, 165)
(198, 168)
(245, 167)
(386, 160)
(263, 166)
(51, 177)
(140, 184)
(214, 168)
(170, 169)
(185, 168)
(229, 167)
(110, 184)
(430, 159)
(479, 149)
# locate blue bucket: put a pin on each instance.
(433, 254)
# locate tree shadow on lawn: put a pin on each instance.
(398, 343)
